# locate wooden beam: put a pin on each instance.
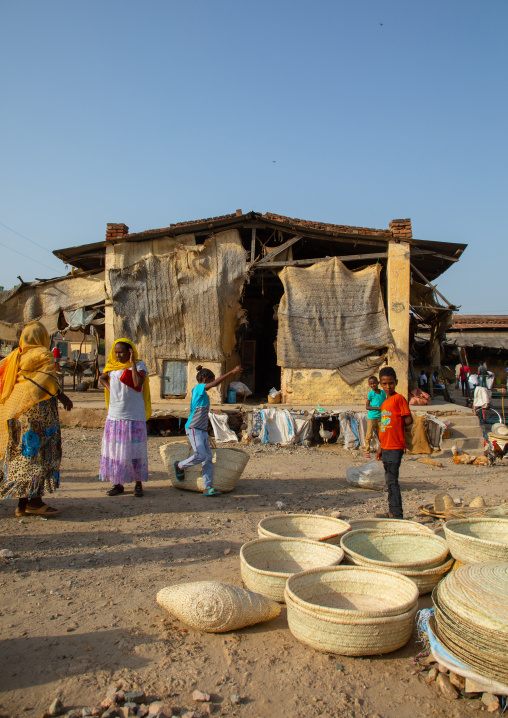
(301, 262)
(253, 245)
(422, 276)
(279, 249)
(416, 251)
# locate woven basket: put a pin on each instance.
(267, 563)
(395, 550)
(316, 528)
(216, 607)
(389, 525)
(350, 610)
(481, 540)
(427, 580)
(229, 464)
(471, 617)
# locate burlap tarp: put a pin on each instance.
(184, 304)
(44, 301)
(330, 316)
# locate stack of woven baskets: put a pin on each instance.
(421, 556)
(471, 617)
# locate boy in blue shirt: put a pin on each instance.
(375, 398)
(196, 428)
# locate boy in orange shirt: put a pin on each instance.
(395, 416)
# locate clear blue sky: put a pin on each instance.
(154, 111)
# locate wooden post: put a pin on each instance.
(253, 245)
(398, 286)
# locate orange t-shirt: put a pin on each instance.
(392, 430)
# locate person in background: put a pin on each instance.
(395, 417)
(196, 428)
(464, 376)
(375, 398)
(29, 423)
(423, 383)
(482, 374)
(124, 455)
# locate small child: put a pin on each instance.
(395, 416)
(196, 428)
(375, 398)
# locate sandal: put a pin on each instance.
(211, 492)
(138, 490)
(367, 455)
(117, 489)
(19, 512)
(179, 473)
(44, 510)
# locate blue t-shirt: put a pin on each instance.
(375, 401)
(200, 403)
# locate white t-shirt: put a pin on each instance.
(125, 403)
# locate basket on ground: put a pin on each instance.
(471, 617)
(314, 527)
(351, 610)
(389, 525)
(267, 563)
(396, 551)
(228, 466)
(480, 540)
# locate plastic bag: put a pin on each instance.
(273, 392)
(369, 476)
(240, 388)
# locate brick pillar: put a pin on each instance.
(398, 286)
(401, 228)
(114, 232)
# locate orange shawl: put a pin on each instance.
(27, 376)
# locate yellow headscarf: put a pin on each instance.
(27, 376)
(113, 364)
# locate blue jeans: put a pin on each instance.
(391, 459)
(200, 442)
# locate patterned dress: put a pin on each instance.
(33, 453)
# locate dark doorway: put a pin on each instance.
(257, 338)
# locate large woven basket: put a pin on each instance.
(480, 540)
(389, 525)
(228, 466)
(408, 550)
(471, 617)
(267, 563)
(314, 527)
(351, 610)
(216, 607)
(428, 579)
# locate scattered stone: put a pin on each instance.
(458, 681)
(432, 674)
(235, 699)
(200, 696)
(448, 691)
(474, 687)
(207, 708)
(142, 711)
(340, 667)
(441, 668)
(112, 712)
(189, 714)
(56, 708)
(427, 660)
(74, 714)
(491, 701)
(107, 703)
(97, 710)
(126, 711)
(155, 707)
(134, 696)
(6, 553)
(227, 552)
(166, 711)
(335, 514)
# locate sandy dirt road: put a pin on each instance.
(78, 609)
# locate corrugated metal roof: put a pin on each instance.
(479, 321)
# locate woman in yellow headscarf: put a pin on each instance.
(124, 456)
(29, 424)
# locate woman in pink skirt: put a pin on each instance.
(124, 457)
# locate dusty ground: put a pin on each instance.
(78, 607)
